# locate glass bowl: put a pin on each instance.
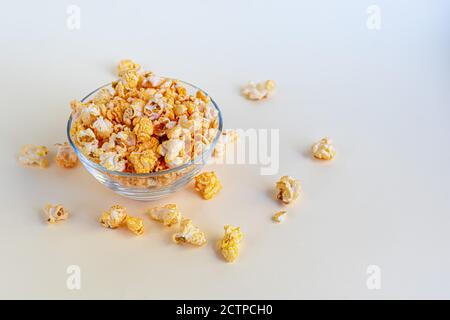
(148, 186)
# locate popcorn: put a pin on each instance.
(207, 184)
(259, 91)
(143, 162)
(103, 127)
(135, 225)
(114, 217)
(143, 129)
(169, 214)
(55, 213)
(111, 161)
(188, 233)
(86, 136)
(202, 96)
(31, 155)
(229, 245)
(280, 216)
(287, 189)
(155, 81)
(146, 124)
(125, 65)
(323, 149)
(102, 96)
(173, 151)
(65, 156)
(89, 114)
(227, 137)
(129, 78)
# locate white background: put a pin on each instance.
(382, 95)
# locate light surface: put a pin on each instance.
(382, 95)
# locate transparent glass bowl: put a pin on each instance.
(148, 186)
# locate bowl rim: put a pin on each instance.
(197, 160)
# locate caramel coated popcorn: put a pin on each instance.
(280, 216)
(144, 124)
(227, 137)
(287, 189)
(207, 184)
(31, 155)
(65, 156)
(259, 91)
(54, 213)
(188, 233)
(169, 214)
(115, 217)
(229, 245)
(135, 225)
(323, 149)
(126, 65)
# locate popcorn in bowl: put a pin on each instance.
(144, 136)
(144, 124)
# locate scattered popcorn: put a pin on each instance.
(323, 149)
(144, 124)
(54, 213)
(280, 216)
(65, 156)
(135, 225)
(31, 155)
(188, 233)
(207, 184)
(229, 245)
(287, 189)
(125, 65)
(228, 137)
(259, 91)
(169, 214)
(114, 217)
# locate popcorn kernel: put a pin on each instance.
(135, 225)
(229, 245)
(287, 189)
(188, 233)
(114, 217)
(54, 213)
(207, 184)
(31, 155)
(323, 149)
(280, 216)
(169, 214)
(65, 156)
